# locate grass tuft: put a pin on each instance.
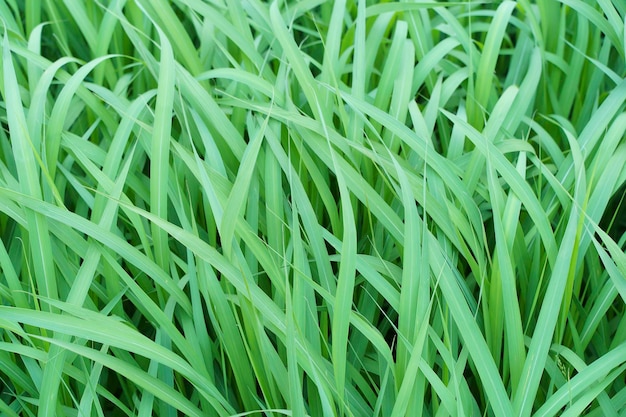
(312, 208)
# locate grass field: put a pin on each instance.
(323, 208)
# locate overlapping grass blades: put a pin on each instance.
(312, 208)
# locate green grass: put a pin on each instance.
(344, 208)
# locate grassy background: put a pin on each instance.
(313, 208)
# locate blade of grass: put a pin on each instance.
(241, 187)
(477, 105)
(28, 175)
(345, 289)
(159, 162)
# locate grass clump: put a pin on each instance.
(312, 208)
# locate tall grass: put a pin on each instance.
(315, 208)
